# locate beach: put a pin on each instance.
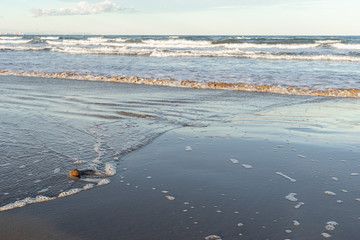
(166, 191)
(181, 163)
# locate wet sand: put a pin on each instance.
(194, 182)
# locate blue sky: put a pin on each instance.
(214, 17)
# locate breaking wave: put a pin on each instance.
(220, 53)
(266, 48)
(288, 90)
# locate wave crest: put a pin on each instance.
(341, 93)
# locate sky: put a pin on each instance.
(181, 17)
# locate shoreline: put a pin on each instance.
(337, 93)
(186, 184)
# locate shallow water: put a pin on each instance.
(50, 126)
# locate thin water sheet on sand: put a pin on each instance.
(228, 170)
(163, 191)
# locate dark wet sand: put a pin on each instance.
(220, 194)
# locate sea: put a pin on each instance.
(52, 121)
(312, 65)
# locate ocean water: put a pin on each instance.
(49, 126)
(303, 65)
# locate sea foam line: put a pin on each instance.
(38, 199)
(343, 93)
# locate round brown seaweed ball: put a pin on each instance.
(75, 173)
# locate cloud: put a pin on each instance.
(81, 8)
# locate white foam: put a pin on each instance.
(330, 193)
(297, 206)
(234, 161)
(26, 201)
(330, 227)
(285, 176)
(188, 148)
(271, 46)
(354, 174)
(171, 198)
(327, 41)
(247, 166)
(14, 41)
(49, 38)
(103, 182)
(333, 223)
(88, 186)
(110, 169)
(70, 192)
(291, 197)
(212, 237)
(346, 46)
(334, 178)
(296, 223)
(326, 235)
(56, 170)
(240, 224)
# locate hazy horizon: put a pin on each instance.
(174, 17)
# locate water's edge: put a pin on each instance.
(339, 93)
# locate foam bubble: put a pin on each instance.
(296, 223)
(171, 198)
(246, 166)
(285, 176)
(326, 235)
(330, 193)
(103, 182)
(212, 237)
(234, 161)
(240, 224)
(297, 206)
(333, 223)
(188, 148)
(56, 170)
(291, 197)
